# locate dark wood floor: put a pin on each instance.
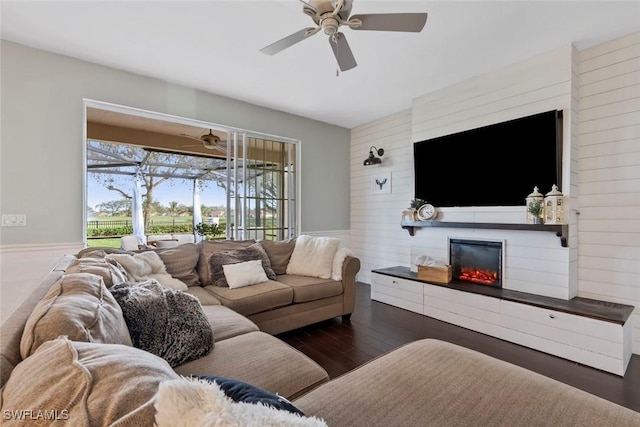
(376, 328)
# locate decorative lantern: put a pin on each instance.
(535, 207)
(554, 206)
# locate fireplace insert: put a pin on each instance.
(476, 261)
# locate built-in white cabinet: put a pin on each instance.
(476, 312)
(601, 344)
(598, 343)
(398, 292)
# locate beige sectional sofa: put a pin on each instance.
(69, 354)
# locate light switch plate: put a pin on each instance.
(14, 220)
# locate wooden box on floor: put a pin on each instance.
(440, 274)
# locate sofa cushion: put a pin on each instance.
(244, 274)
(100, 252)
(279, 252)
(146, 265)
(181, 261)
(254, 299)
(111, 274)
(205, 297)
(227, 323)
(166, 322)
(197, 401)
(218, 260)
(87, 383)
(79, 306)
(208, 247)
(313, 256)
(307, 288)
(431, 382)
(262, 360)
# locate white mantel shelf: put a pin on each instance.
(562, 231)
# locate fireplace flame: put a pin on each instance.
(475, 275)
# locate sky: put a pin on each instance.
(180, 191)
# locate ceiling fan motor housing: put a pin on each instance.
(330, 26)
(210, 139)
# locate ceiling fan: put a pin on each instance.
(208, 140)
(330, 15)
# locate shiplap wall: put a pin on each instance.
(535, 262)
(376, 236)
(599, 90)
(609, 174)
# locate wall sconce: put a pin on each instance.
(372, 159)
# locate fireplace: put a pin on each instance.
(476, 261)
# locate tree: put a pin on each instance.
(114, 166)
(176, 209)
(115, 207)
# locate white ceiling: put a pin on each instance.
(214, 46)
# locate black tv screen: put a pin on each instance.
(495, 165)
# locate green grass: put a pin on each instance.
(104, 243)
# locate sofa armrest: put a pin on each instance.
(350, 269)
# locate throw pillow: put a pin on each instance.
(110, 273)
(181, 262)
(250, 253)
(79, 306)
(244, 274)
(99, 252)
(239, 391)
(146, 265)
(168, 323)
(338, 260)
(86, 384)
(192, 401)
(279, 252)
(208, 247)
(313, 256)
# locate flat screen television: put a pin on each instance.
(495, 165)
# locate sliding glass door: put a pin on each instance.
(245, 185)
(262, 176)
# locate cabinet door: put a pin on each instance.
(589, 341)
(398, 292)
(476, 312)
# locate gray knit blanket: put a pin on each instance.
(166, 322)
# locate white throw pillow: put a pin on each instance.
(244, 273)
(338, 260)
(313, 256)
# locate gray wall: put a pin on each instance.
(41, 145)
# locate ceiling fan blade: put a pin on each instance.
(289, 41)
(190, 137)
(342, 52)
(407, 22)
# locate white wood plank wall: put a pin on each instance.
(535, 262)
(376, 236)
(609, 174)
(599, 91)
